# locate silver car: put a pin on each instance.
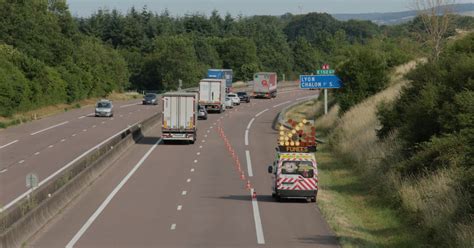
(104, 108)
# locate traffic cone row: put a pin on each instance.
(237, 163)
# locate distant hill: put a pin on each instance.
(392, 18)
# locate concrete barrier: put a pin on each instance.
(24, 219)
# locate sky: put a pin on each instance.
(244, 7)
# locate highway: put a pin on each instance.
(45, 146)
(178, 195)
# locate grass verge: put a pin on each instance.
(357, 215)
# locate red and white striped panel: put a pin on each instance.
(299, 183)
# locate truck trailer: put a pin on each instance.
(179, 116)
(212, 94)
(226, 74)
(265, 84)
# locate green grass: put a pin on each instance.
(356, 214)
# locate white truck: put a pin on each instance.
(265, 84)
(179, 116)
(212, 94)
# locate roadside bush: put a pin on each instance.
(363, 74)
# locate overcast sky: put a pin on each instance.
(244, 7)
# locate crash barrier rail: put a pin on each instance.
(25, 218)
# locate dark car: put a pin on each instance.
(202, 113)
(244, 97)
(150, 98)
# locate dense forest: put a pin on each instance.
(48, 56)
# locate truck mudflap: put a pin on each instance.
(190, 136)
(264, 94)
(214, 107)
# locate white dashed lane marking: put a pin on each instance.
(63, 140)
(184, 192)
(173, 227)
(188, 180)
(50, 146)
(37, 153)
(195, 161)
(21, 161)
(179, 208)
(192, 170)
(13, 142)
(48, 128)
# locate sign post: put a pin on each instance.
(325, 79)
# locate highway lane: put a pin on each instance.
(190, 195)
(46, 151)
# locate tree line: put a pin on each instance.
(49, 57)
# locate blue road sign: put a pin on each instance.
(320, 82)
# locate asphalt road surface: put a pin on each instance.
(44, 146)
(179, 195)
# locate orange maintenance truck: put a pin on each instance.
(295, 171)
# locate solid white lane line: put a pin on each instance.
(188, 180)
(258, 221)
(184, 192)
(110, 197)
(246, 137)
(260, 113)
(128, 105)
(51, 127)
(249, 163)
(283, 103)
(250, 123)
(173, 227)
(60, 170)
(179, 208)
(37, 153)
(13, 142)
(21, 161)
